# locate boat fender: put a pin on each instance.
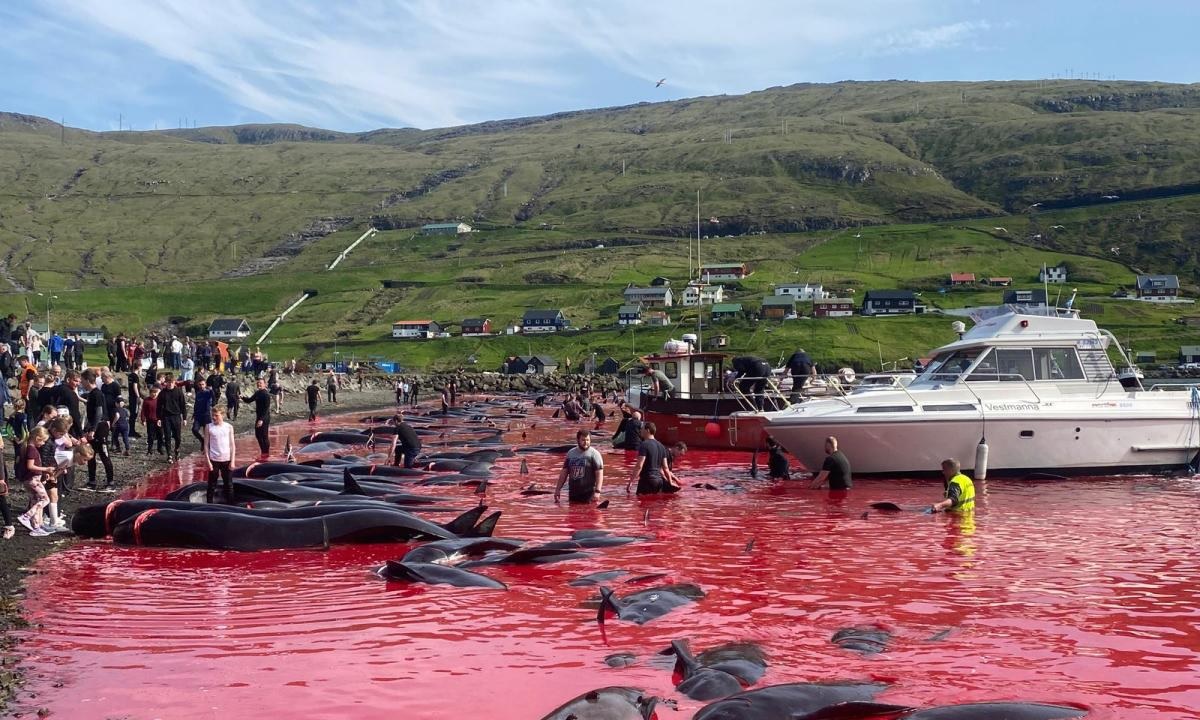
(981, 459)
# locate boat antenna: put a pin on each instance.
(1046, 286)
(700, 286)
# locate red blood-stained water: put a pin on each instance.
(1080, 591)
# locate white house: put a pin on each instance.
(802, 292)
(91, 336)
(414, 329)
(228, 329)
(700, 293)
(1056, 274)
(445, 229)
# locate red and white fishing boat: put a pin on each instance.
(699, 411)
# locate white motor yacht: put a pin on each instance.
(1038, 391)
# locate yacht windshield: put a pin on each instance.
(950, 366)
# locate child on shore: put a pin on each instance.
(31, 471)
(121, 426)
(18, 425)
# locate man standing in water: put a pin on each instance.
(262, 416)
(651, 471)
(313, 393)
(584, 467)
(835, 472)
(959, 490)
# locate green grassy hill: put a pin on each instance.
(82, 209)
(855, 185)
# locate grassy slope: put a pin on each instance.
(353, 306)
(182, 204)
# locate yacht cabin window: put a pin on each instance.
(1057, 364)
(698, 367)
(671, 369)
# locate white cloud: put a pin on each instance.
(431, 63)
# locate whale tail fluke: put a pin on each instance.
(685, 663)
(607, 600)
(463, 524)
(487, 526)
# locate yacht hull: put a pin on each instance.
(1017, 445)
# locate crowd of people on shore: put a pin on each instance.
(58, 414)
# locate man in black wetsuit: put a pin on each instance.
(802, 368)
(233, 397)
(836, 469)
(751, 374)
(96, 431)
(651, 471)
(262, 416)
(408, 443)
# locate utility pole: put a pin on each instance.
(62, 130)
(120, 121)
(622, 167)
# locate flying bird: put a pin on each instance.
(1058, 227)
(1110, 197)
(660, 82)
(1000, 229)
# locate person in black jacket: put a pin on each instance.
(233, 398)
(408, 443)
(262, 416)
(172, 411)
(313, 393)
(96, 431)
(68, 397)
(751, 374)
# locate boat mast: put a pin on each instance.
(699, 279)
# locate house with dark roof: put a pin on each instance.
(650, 296)
(833, 307)
(514, 365)
(228, 329)
(541, 321)
(609, 367)
(1157, 288)
(415, 329)
(629, 315)
(1029, 298)
(1189, 354)
(778, 307)
(1001, 281)
(889, 302)
(724, 271)
(660, 281)
(540, 365)
(476, 326)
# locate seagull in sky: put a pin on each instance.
(660, 82)
(1000, 229)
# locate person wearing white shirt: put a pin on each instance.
(219, 451)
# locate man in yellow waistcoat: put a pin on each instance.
(959, 490)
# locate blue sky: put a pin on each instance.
(363, 64)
